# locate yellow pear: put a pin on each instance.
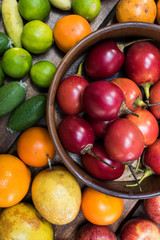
(23, 222)
(56, 195)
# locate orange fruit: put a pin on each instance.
(99, 208)
(33, 146)
(136, 11)
(15, 180)
(158, 12)
(69, 30)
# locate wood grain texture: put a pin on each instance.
(8, 140)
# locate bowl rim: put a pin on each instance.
(61, 70)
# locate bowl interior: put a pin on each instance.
(121, 32)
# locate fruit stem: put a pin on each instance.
(146, 87)
(88, 150)
(49, 162)
(140, 103)
(79, 72)
(152, 104)
(125, 110)
(121, 46)
(131, 170)
(146, 174)
(137, 166)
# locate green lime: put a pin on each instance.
(2, 76)
(88, 9)
(16, 62)
(5, 43)
(42, 73)
(34, 9)
(37, 37)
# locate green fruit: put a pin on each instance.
(42, 73)
(88, 9)
(5, 43)
(34, 9)
(16, 62)
(11, 95)
(2, 76)
(61, 4)
(56, 195)
(28, 113)
(12, 20)
(37, 37)
(22, 221)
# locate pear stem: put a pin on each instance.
(79, 72)
(146, 174)
(49, 162)
(121, 46)
(137, 182)
(152, 104)
(88, 150)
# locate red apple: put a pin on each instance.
(94, 232)
(152, 208)
(139, 229)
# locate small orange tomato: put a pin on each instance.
(34, 145)
(99, 208)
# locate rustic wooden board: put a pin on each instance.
(8, 140)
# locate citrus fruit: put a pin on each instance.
(15, 180)
(5, 43)
(136, 11)
(158, 12)
(56, 195)
(34, 9)
(33, 146)
(22, 221)
(88, 9)
(42, 73)
(2, 76)
(37, 37)
(99, 208)
(69, 30)
(16, 62)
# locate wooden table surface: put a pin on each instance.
(8, 140)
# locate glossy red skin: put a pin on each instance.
(152, 208)
(151, 156)
(99, 126)
(123, 141)
(102, 100)
(100, 170)
(139, 229)
(142, 62)
(130, 90)
(147, 124)
(104, 60)
(75, 133)
(69, 94)
(94, 232)
(155, 98)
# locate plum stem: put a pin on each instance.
(79, 72)
(88, 150)
(137, 182)
(146, 87)
(121, 46)
(49, 162)
(146, 174)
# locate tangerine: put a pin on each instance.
(69, 30)
(136, 11)
(34, 146)
(158, 12)
(15, 180)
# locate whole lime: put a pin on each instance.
(16, 62)
(42, 73)
(34, 9)
(37, 37)
(88, 9)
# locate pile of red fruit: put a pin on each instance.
(120, 115)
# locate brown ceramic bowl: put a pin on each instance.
(120, 33)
